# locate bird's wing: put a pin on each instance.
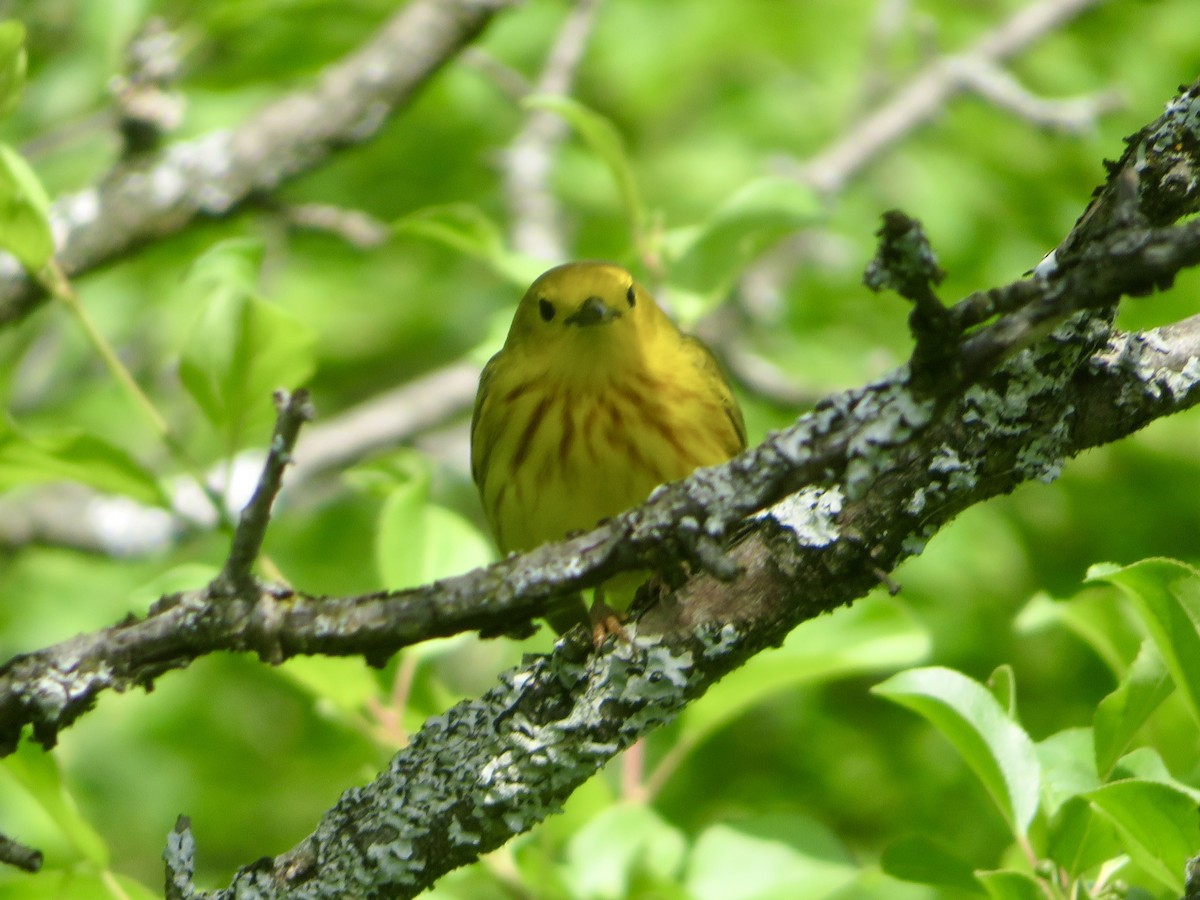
(707, 362)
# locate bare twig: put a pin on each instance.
(511, 83)
(294, 409)
(1072, 115)
(179, 857)
(148, 105)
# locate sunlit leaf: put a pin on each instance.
(873, 635)
(1166, 594)
(37, 771)
(1068, 768)
(708, 257)
(12, 65)
(1002, 683)
(995, 747)
(605, 141)
(774, 856)
(1080, 838)
(242, 348)
(75, 457)
(606, 855)
(1119, 715)
(1159, 824)
(342, 686)
(1099, 618)
(466, 229)
(24, 212)
(1006, 884)
(419, 541)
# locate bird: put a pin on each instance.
(595, 399)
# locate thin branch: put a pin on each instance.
(1071, 115)
(293, 410)
(217, 174)
(537, 223)
(354, 226)
(76, 516)
(924, 95)
(19, 856)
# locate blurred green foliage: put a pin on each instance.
(792, 778)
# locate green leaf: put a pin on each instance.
(1166, 594)
(1079, 838)
(342, 687)
(1007, 884)
(1145, 764)
(605, 141)
(466, 229)
(606, 856)
(923, 861)
(708, 258)
(37, 771)
(418, 541)
(1099, 618)
(770, 857)
(242, 348)
(872, 635)
(1118, 717)
(993, 745)
(1068, 770)
(77, 457)
(1003, 685)
(12, 66)
(1159, 825)
(24, 212)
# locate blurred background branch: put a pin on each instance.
(214, 175)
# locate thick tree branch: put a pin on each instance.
(215, 175)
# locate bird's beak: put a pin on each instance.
(593, 311)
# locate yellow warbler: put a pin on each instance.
(595, 399)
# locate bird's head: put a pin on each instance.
(584, 315)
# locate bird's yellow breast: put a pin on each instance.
(576, 454)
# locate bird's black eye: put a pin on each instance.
(631, 295)
(546, 308)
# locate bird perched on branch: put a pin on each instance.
(595, 399)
